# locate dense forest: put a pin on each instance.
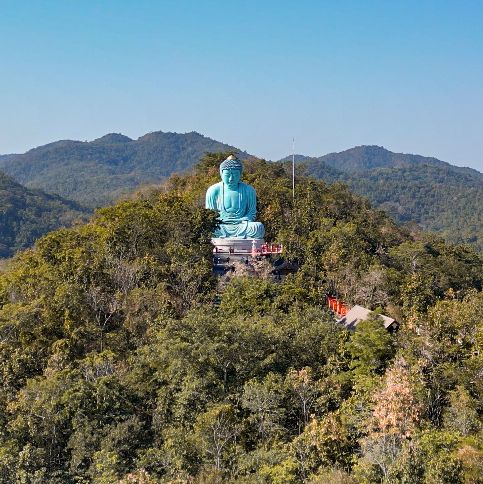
(99, 172)
(26, 215)
(440, 197)
(118, 366)
(439, 200)
(368, 157)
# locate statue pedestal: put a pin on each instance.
(236, 248)
(226, 251)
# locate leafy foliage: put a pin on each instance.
(117, 366)
(26, 215)
(98, 172)
(440, 197)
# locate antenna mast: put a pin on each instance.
(293, 169)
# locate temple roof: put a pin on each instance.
(358, 313)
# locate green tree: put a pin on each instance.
(264, 402)
(215, 434)
(462, 414)
(371, 346)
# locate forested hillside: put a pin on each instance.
(6, 157)
(438, 199)
(26, 215)
(98, 172)
(118, 367)
(438, 196)
(368, 157)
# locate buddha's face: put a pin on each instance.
(231, 177)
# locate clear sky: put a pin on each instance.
(407, 75)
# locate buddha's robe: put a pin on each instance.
(237, 209)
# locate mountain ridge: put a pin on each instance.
(362, 157)
(438, 196)
(96, 173)
(26, 215)
(444, 198)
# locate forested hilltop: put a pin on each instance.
(97, 173)
(26, 215)
(117, 366)
(440, 197)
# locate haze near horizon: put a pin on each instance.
(406, 76)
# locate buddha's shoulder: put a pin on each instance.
(215, 188)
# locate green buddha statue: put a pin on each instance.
(236, 202)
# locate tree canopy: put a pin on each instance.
(118, 366)
(26, 215)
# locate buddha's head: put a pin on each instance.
(230, 171)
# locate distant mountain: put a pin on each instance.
(26, 215)
(368, 157)
(364, 158)
(4, 158)
(95, 173)
(437, 195)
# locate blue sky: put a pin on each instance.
(407, 75)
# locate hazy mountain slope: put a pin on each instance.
(96, 173)
(363, 158)
(440, 197)
(5, 158)
(316, 168)
(25, 215)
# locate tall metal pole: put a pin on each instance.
(293, 169)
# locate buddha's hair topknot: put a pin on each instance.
(231, 163)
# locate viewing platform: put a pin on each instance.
(243, 248)
(226, 252)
